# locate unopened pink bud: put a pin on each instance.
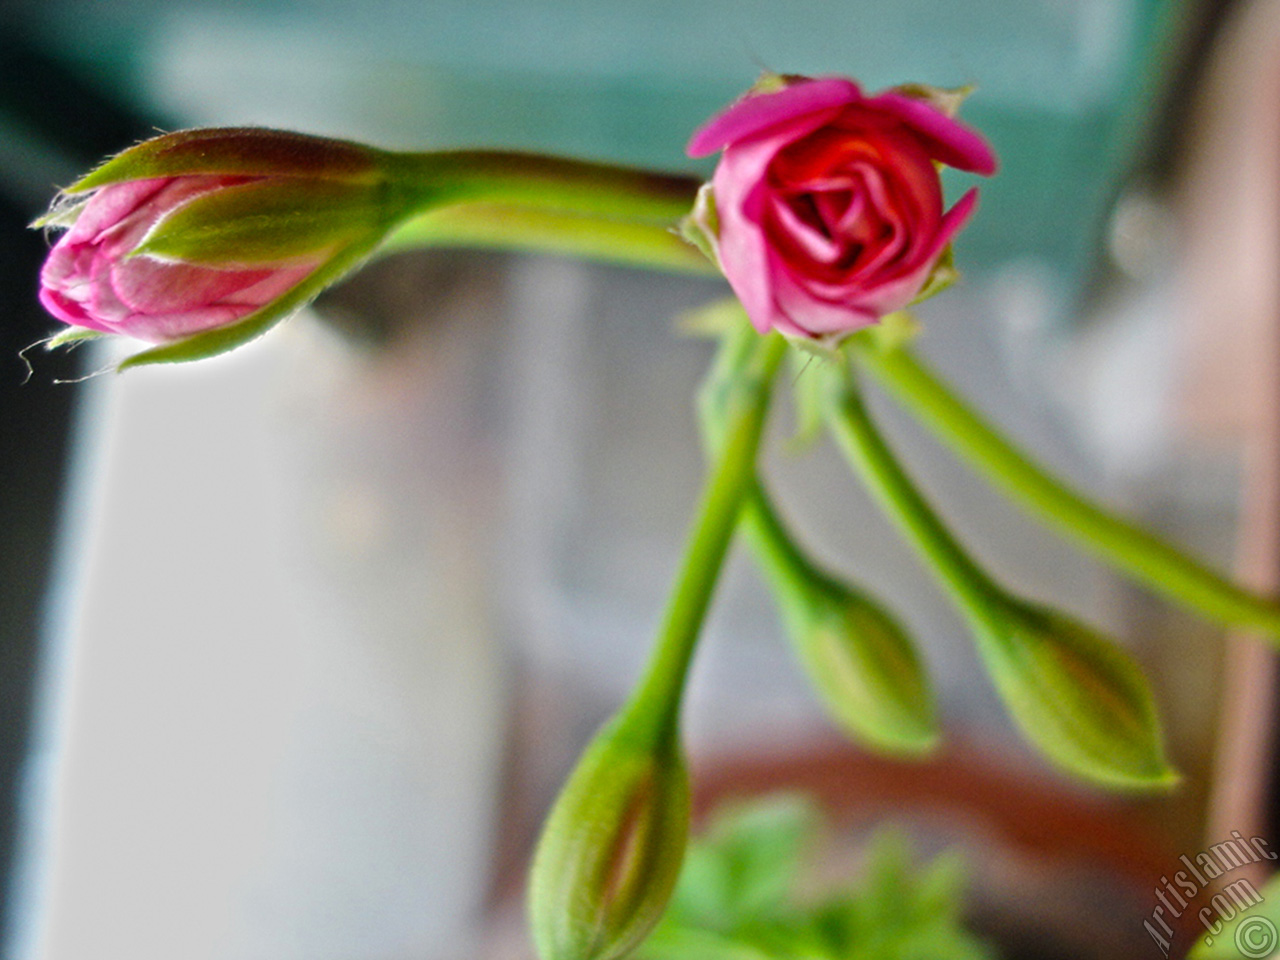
(90, 280)
(198, 230)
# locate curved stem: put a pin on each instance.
(973, 590)
(535, 180)
(636, 243)
(1143, 556)
(786, 568)
(655, 704)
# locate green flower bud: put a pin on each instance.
(611, 849)
(1076, 695)
(864, 668)
(859, 660)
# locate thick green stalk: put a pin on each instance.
(535, 180)
(636, 243)
(657, 698)
(785, 565)
(1143, 556)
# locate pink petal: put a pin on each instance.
(69, 311)
(153, 286)
(273, 285)
(877, 192)
(811, 242)
(813, 316)
(165, 327)
(949, 141)
(897, 293)
(952, 222)
(109, 206)
(817, 309)
(740, 196)
(755, 114)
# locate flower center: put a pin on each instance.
(852, 202)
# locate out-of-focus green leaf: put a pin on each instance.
(739, 898)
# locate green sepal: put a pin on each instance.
(611, 849)
(238, 151)
(62, 214)
(72, 335)
(893, 332)
(1076, 695)
(266, 222)
(943, 275)
(946, 100)
(210, 343)
(716, 319)
(771, 82)
(807, 393)
(701, 227)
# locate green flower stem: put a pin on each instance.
(1141, 555)
(974, 591)
(790, 572)
(636, 243)
(534, 180)
(655, 704)
(784, 564)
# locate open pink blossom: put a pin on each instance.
(91, 280)
(828, 206)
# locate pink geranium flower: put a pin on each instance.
(828, 209)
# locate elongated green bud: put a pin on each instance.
(860, 662)
(611, 849)
(1076, 695)
(866, 673)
